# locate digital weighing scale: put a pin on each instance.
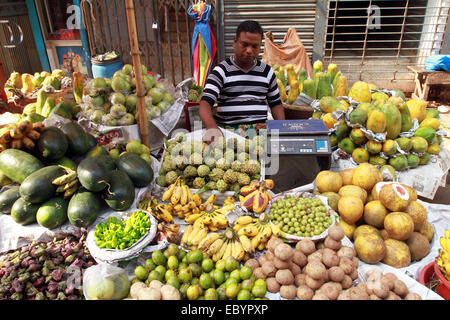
(296, 151)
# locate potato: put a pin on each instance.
(262, 258)
(304, 292)
(332, 244)
(288, 291)
(346, 264)
(316, 270)
(149, 294)
(413, 296)
(295, 269)
(336, 233)
(330, 259)
(345, 251)
(169, 292)
(306, 246)
(362, 286)
(269, 269)
(336, 274)
(272, 285)
(269, 255)
(315, 256)
(320, 245)
(299, 258)
(344, 295)
(273, 243)
(330, 291)
(252, 263)
(319, 296)
(284, 252)
(284, 277)
(156, 284)
(135, 288)
(354, 274)
(312, 283)
(389, 278)
(400, 288)
(374, 297)
(280, 264)
(378, 288)
(338, 285)
(347, 282)
(373, 273)
(392, 296)
(355, 262)
(358, 294)
(259, 273)
(300, 279)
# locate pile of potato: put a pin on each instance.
(308, 271)
(156, 290)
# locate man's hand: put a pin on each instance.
(212, 135)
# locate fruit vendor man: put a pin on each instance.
(243, 87)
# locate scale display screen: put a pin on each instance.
(299, 145)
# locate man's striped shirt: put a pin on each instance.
(242, 96)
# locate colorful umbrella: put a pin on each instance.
(203, 42)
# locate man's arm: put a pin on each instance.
(278, 112)
(212, 130)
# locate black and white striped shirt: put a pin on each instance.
(242, 95)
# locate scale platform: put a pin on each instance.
(296, 151)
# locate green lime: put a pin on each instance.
(173, 249)
(158, 258)
(183, 289)
(195, 256)
(206, 281)
(211, 294)
(230, 281)
(245, 272)
(196, 269)
(218, 276)
(155, 275)
(161, 269)
(235, 274)
(193, 292)
(207, 265)
(247, 284)
(182, 265)
(221, 293)
(149, 265)
(166, 254)
(232, 290)
(185, 275)
(259, 291)
(261, 282)
(173, 281)
(195, 280)
(170, 273)
(220, 265)
(226, 274)
(172, 262)
(244, 294)
(231, 264)
(181, 254)
(141, 273)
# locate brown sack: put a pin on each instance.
(291, 51)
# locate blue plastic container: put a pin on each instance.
(106, 69)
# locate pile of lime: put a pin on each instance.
(300, 216)
(197, 277)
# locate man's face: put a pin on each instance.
(247, 47)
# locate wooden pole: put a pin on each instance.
(136, 59)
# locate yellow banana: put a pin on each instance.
(249, 230)
(176, 196)
(276, 231)
(228, 251)
(243, 220)
(219, 254)
(197, 200)
(213, 228)
(445, 243)
(238, 227)
(220, 222)
(189, 193)
(215, 246)
(255, 242)
(267, 232)
(184, 195)
(200, 235)
(192, 217)
(246, 243)
(238, 251)
(186, 234)
(447, 234)
(169, 192)
(211, 199)
(206, 242)
(261, 246)
(193, 234)
(199, 222)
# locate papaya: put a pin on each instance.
(413, 160)
(333, 140)
(404, 144)
(427, 133)
(317, 115)
(380, 96)
(329, 121)
(347, 145)
(399, 163)
(389, 147)
(396, 101)
(424, 159)
(29, 108)
(49, 105)
(433, 123)
(323, 85)
(332, 70)
(302, 76)
(358, 116)
(431, 113)
(293, 91)
(360, 155)
(360, 92)
(393, 120)
(376, 122)
(417, 109)
(372, 86)
(291, 75)
(40, 101)
(373, 147)
(419, 144)
(364, 106)
(377, 160)
(406, 117)
(282, 75)
(329, 104)
(342, 130)
(434, 149)
(317, 67)
(358, 137)
(309, 88)
(398, 93)
(341, 87)
(282, 90)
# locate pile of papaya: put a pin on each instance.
(66, 177)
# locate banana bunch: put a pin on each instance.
(229, 243)
(170, 231)
(257, 230)
(67, 183)
(255, 197)
(178, 193)
(192, 236)
(194, 206)
(20, 135)
(160, 211)
(443, 259)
